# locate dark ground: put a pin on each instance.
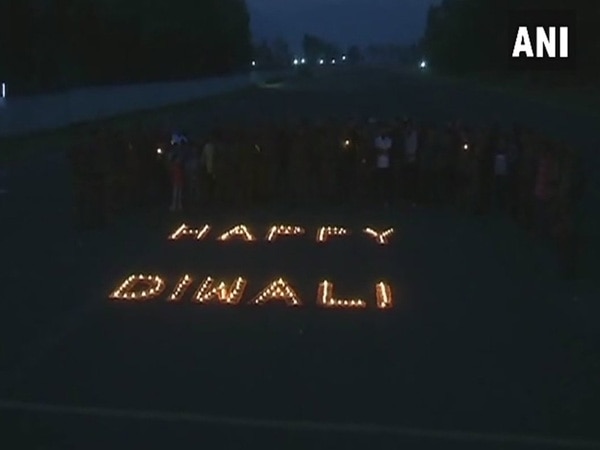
(484, 337)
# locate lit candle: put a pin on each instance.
(383, 294)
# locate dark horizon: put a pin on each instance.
(343, 22)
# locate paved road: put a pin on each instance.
(483, 338)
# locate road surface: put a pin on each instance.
(484, 347)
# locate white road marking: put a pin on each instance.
(163, 416)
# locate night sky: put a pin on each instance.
(344, 22)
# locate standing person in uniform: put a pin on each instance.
(207, 167)
(383, 177)
(282, 169)
(177, 173)
(363, 162)
(486, 170)
(448, 164)
(545, 189)
(257, 168)
(192, 173)
(428, 155)
(410, 167)
(527, 176)
(514, 153)
(501, 175)
(464, 175)
(312, 162)
(347, 165)
(568, 230)
(299, 172)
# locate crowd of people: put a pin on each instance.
(537, 181)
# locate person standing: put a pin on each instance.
(207, 166)
(177, 175)
(346, 165)
(501, 175)
(486, 170)
(282, 161)
(544, 190)
(410, 167)
(568, 230)
(383, 176)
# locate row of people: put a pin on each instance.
(539, 182)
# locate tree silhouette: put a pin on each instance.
(64, 43)
(466, 36)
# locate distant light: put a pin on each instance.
(466, 147)
(303, 61)
(3, 90)
(423, 64)
(343, 57)
(159, 151)
(296, 61)
(333, 61)
(321, 61)
(253, 63)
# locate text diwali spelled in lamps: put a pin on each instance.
(147, 287)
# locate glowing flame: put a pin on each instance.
(383, 294)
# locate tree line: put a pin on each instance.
(466, 36)
(59, 44)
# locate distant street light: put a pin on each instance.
(423, 64)
(253, 63)
(296, 61)
(321, 62)
(303, 61)
(333, 61)
(3, 90)
(343, 57)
